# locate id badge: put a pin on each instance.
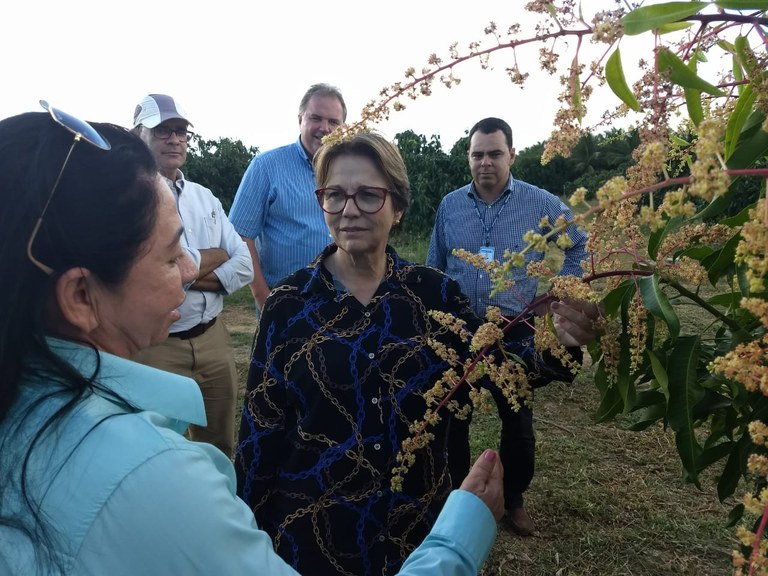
(487, 253)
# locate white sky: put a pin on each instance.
(239, 68)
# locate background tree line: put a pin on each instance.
(220, 164)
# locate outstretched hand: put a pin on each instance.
(485, 481)
(574, 321)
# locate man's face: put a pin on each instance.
(489, 161)
(171, 152)
(323, 115)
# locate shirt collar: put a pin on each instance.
(144, 387)
(472, 190)
(320, 279)
(178, 184)
(303, 152)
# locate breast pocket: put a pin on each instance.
(212, 224)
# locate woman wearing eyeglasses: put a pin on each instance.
(96, 477)
(341, 361)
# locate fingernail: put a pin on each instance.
(489, 455)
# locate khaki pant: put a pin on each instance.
(209, 360)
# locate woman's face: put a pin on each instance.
(139, 312)
(356, 232)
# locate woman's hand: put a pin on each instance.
(574, 321)
(484, 481)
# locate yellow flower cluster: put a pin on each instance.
(546, 340)
(609, 343)
(568, 286)
(745, 364)
(758, 432)
(476, 260)
(637, 327)
(757, 464)
(446, 353)
(607, 26)
(683, 270)
(452, 323)
(676, 203)
(486, 335)
(714, 235)
(751, 251)
(708, 176)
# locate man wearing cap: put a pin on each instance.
(198, 345)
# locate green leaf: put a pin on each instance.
(673, 27)
(721, 261)
(742, 49)
(742, 4)
(693, 99)
(659, 373)
(676, 140)
(656, 237)
(614, 75)
(681, 75)
(647, 417)
(734, 467)
(752, 146)
(576, 88)
(614, 298)
(738, 72)
(684, 393)
(647, 18)
(738, 118)
(658, 303)
(611, 403)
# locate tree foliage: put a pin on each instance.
(218, 165)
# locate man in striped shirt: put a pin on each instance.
(489, 215)
(275, 209)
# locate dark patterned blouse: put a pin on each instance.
(332, 388)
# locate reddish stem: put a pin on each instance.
(758, 539)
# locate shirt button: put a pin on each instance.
(379, 493)
(381, 538)
(374, 400)
(367, 314)
(377, 446)
(371, 355)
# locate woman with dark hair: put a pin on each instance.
(96, 476)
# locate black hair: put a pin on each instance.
(101, 215)
(491, 125)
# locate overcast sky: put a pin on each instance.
(240, 67)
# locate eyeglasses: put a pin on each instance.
(164, 132)
(368, 199)
(82, 131)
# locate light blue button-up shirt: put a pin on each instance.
(124, 493)
(465, 220)
(276, 205)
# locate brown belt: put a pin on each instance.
(193, 332)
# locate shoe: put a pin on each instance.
(518, 521)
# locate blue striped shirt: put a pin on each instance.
(275, 205)
(465, 220)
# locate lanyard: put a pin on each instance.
(488, 229)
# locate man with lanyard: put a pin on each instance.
(198, 345)
(275, 209)
(489, 215)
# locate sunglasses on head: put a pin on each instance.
(81, 131)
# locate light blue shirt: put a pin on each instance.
(276, 205)
(125, 493)
(465, 220)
